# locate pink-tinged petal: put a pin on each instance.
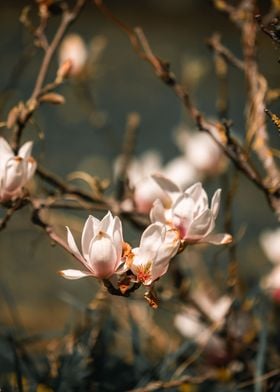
(159, 269)
(215, 203)
(106, 223)
(102, 256)
(73, 247)
(25, 150)
(201, 226)
(170, 245)
(87, 236)
(74, 274)
(5, 149)
(194, 191)
(157, 212)
(183, 208)
(14, 174)
(118, 236)
(152, 237)
(166, 184)
(217, 239)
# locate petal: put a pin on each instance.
(25, 150)
(201, 226)
(215, 203)
(74, 274)
(73, 247)
(217, 239)
(159, 269)
(87, 235)
(157, 213)
(169, 187)
(181, 171)
(118, 236)
(166, 184)
(194, 191)
(5, 149)
(152, 237)
(14, 174)
(184, 208)
(106, 223)
(103, 259)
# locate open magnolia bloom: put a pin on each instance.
(159, 243)
(102, 244)
(15, 170)
(189, 212)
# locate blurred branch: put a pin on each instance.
(161, 385)
(31, 105)
(10, 212)
(132, 125)
(217, 131)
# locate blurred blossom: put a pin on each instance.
(189, 212)
(191, 327)
(146, 191)
(102, 245)
(74, 49)
(271, 283)
(15, 170)
(215, 310)
(180, 171)
(201, 151)
(159, 243)
(270, 242)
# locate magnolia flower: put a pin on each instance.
(159, 243)
(270, 241)
(189, 212)
(102, 243)
(15, 170)
(201, 151)
(74, 49)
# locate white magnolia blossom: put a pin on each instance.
(270, 242)
(189, 212)
(159, 243)
(102, 244)
(15, 170)
(201, 151)
(74, 49)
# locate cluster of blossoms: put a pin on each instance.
(185, 218)
(15, 170)
(200, 157)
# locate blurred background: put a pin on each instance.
(86, 134)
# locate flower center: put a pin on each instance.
(143, 272)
